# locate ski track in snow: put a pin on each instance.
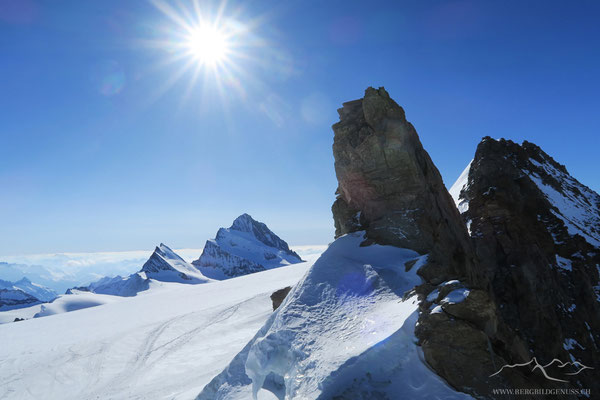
(164, 344)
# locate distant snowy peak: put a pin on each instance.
(15, 298)
(164, 265)
(260, 231)
(246, 247)
(40, 292)
(117, 286)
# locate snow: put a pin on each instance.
(76, 301)
(166, 266)
(246, 247)
(347, 326)
(433, 295)
(164, 343)
(569, 344)
(455, 296)
(452, 282)
(577, 206)
(460, 184)
(436, 309)
(564, 263)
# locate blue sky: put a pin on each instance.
(102, 149)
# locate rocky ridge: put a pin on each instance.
(503, 290)
(536, 232)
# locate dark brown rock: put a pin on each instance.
(278, 296)
(390, 188)
(521, 239)
(517, 292)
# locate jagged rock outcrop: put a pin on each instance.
(278, 296)
(248, 246)
(394, 219)
(389, 187)
(536, 231)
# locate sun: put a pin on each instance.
(208, 45)
(218, 48)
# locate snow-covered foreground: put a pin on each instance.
(346, 331)
(166, 343)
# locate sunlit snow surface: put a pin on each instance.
(347, 329)
(576, 205)
(165, 343)
(459, 185)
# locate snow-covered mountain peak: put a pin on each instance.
(163, 258)
(246, 247)
(244, 223)
(40, 292)
(164, 265)
(260, 231)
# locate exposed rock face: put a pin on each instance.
(528, 273)
(389, 187)
(278, 296)
(536, 231)
(248, 246)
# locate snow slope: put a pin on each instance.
(73, 302)
(460, 184)
(574, 203)
(161, 344)
(346, 331)
(248, 246)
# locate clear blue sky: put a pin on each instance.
(105, 147)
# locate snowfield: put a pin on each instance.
(165, 343)
(346, 332)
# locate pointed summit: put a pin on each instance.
(165, 265)
(243, 223)
(260, 231)
(246, 247)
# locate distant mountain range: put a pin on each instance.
(23, 293)
(246, 247)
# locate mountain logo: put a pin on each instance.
(556, 366)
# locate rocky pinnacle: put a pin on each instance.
(390, 188)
